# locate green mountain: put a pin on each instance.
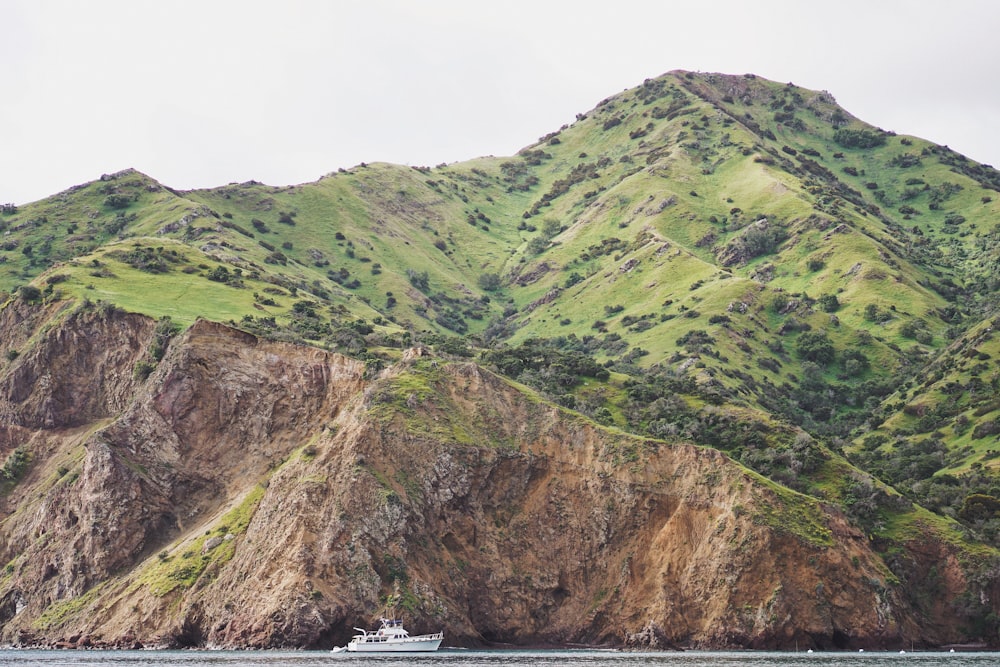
(714, 259)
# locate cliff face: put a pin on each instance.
(251, 493)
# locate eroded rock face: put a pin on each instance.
(258, 494)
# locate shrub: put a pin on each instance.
(490, 282)
(769, 364)
(219, 274)
(15, 464)
(117, 201)
(875, 314)
(983, 429)
(910, 328)
(849, 138)
(755, 241)
(30, 294)
(905, 160)
(165, 330)
(815, 346)
(538, 245)
(829, 303)
(142, 370)
(855, 363)
(420, 280)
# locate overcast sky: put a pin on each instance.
(203, 93)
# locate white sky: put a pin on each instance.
(207, 92)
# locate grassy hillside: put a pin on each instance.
(719, 258)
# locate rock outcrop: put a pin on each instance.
(259, 494)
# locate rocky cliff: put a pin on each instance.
(246, 493)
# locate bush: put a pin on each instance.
(859, 138)
(875, 314)
(910, 328)
(815, 346)
(15, 464)
(117, 201)
(165, 330)
(754, 241)
(30, 294)
(538, 245)
(829, 303)
(490, 282)
(855, 363)
(420, 280)
(142, 370)
(905, 160)
(219, 274)
(983, 429)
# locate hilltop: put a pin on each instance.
(705, 260)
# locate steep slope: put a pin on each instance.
(260, 494)
(703, 260)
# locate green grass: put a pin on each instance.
(181, 296)
(791, 512)
(60, 611)
(182, 566)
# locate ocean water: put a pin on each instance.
(462, 658)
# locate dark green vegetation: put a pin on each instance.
(720, 259)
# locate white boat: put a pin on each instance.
(391, 637)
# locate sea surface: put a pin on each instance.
(463, 658)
